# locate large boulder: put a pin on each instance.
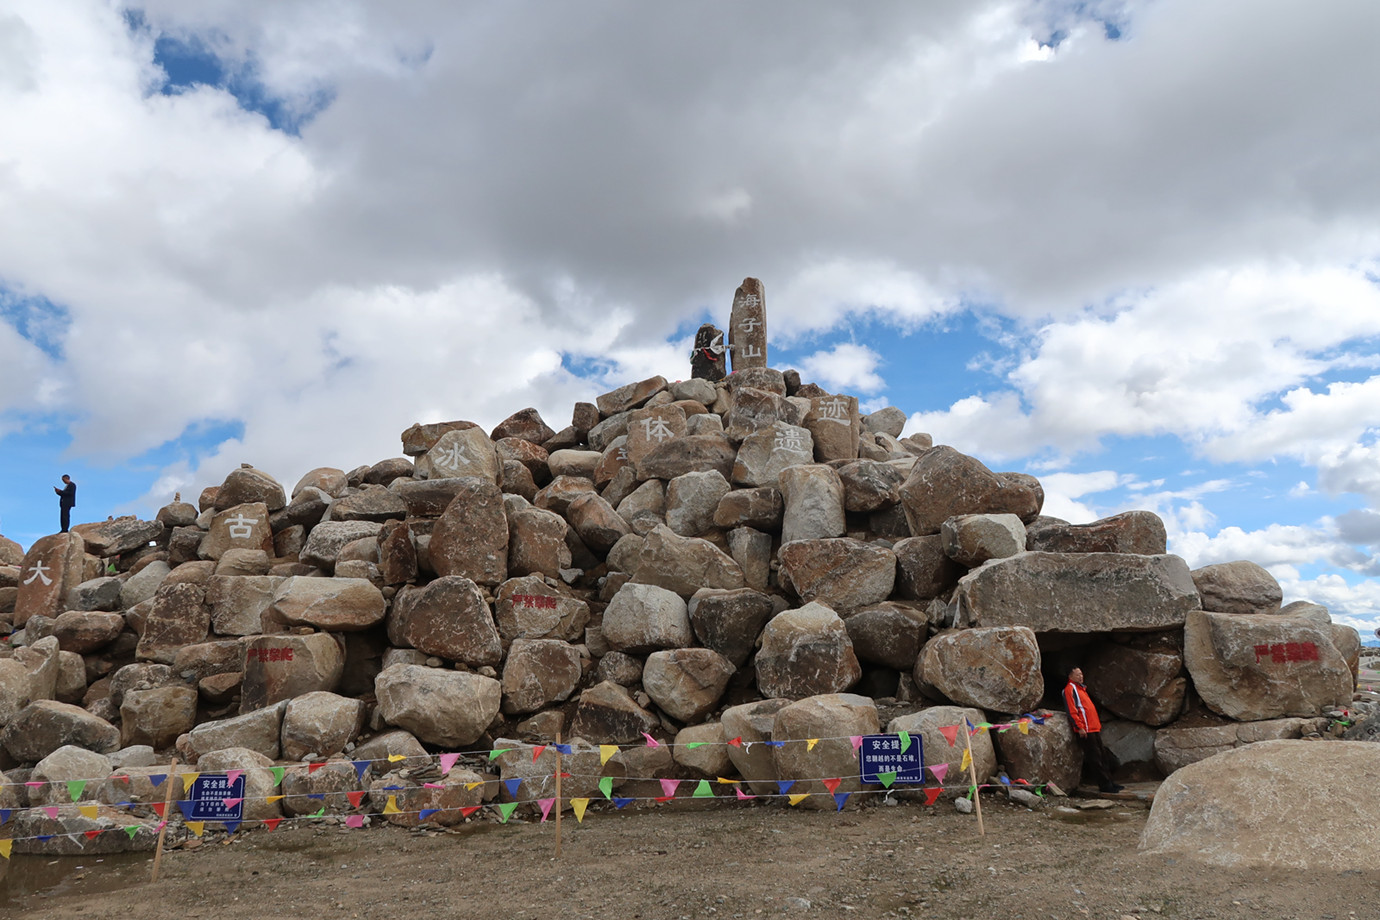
(259, 731)
(814, 503)
(337, 604)
(944, 483)
(764, 454)
(686, 683)
(629, 396)
(935, 727)
(416, 440)
(1043, 753)
(684, 564)
(1253, 807)
(260, 783)
(806, 652)
(746, 727)
(536, 543)
(68, 764)
(121, 535)
(923, 570)
(1251, 667)
(461, 453)
(178, 617)
(761, 508)
(538, 673)
(1130, 532)
(1078, 592)
(870, 485)
(46, 725)
(832, 719)
(143, 584)
(1237, 587)
(643, 618)
(529, 608)
(729, 622)
(690, 454)
(375, 504)
(842, 573)
(972, 539)
(327, 539)
(597, 523)
(245, 526)
(237, 603)
(991, 667)
(84, 632)
(446, 708)
(471, 536)
(246, 485)
(101, 593)
(535, 770)
(157, 717)
(835, 426)
(320, 723)
(279, 667)
(53, 566)
(691, 501)
(607, 714)
(1176, 747)
(889, 634)
(448, 618)
(1146, 685)
(651, 428)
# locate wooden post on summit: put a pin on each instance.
(558, 795)
(747, 326)
(163, 830)
(972, 772)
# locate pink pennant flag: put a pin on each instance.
(51, 811)
(433, 785)
(742, 794)
(35, 784)
(950, 733)
(940, 770)
(536, 751)
(233, 775)
(354, 821)
(651, 742)
(448, 762)
(668, 786)
(857, 741)
(546, 807)
(231, 803)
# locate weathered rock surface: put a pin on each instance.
(749, 725)
(685, 564)
(832, 718)
(945, 483)
(644, 618)
(842, 573)
(539, 672)
(46, 725)
(157, 717)
(813, 496)
(1251, 667)
(1177, 747)
(237, 603)
(462, 453)
(83, 632)
(527, 608)
(1237, 587)
(930, 726)
(972, 539)
(278, 667)
(1078, 592)
(764, 454)
(336, 604)
(729, 621)
(447, 708)
(259, 731)
(1146, 686)
(992, 667)
(806, 652)
(320, 723)
(447, 618)
(329, 538)
(686, 683)
(177, 617)
(889, 634)
(1248, 808)
(1130, 532)
(607, 714)
(1047, 753)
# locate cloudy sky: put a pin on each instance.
(1130, 247)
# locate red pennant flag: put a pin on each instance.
(950, 733)
(355, 797)
(931, 795)
(470, 810)
(737, 742)
(313, 767)
(832, 785)
(664, 798)
(92, 835)
(272, 823)
(536, 752)
(158, 808)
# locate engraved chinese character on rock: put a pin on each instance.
(747, 332)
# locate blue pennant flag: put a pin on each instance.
(5, 814)
(319, 796)
(784, 785)
(512, 785)
(231, 826)
(426, 813)
(840, 798)
(185, 806)
(157, 779)
(44, 837)
(565, 749)
(774, 743)
(391, 788)
(360, 767)
(619, 802)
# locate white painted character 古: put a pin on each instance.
(241, 527)
(40, 571)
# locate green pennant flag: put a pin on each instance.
(277, 775)
(905, 741)
(972, 791)
(132, 830)
(318, 813)
(606, 786)
(691, 745)
(886, 779)
(505, 811)
(75, 787)
(702, 791)
(498, 752)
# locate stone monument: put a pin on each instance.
(747, 331)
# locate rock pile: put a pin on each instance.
(747, 559)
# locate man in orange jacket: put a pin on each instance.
(1083, 715)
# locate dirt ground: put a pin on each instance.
(729, 861)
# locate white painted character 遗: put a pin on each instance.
(241, 526)
(789, 440)
(39, 572)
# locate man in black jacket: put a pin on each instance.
(67, 500)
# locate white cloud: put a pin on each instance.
(845, 368)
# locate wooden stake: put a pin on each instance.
(167, 804)
(558, 795)
(972, 772)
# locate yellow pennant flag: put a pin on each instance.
(274, 798)
(798, 797)
(606, 751)
(394, 758)
(473, 786)
(89, 811)
(392, 807)
(810, 743)
(188, 779)
(967, 760)
(196, 827)
(1024, 727)
(5, 847)
(579, 805)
